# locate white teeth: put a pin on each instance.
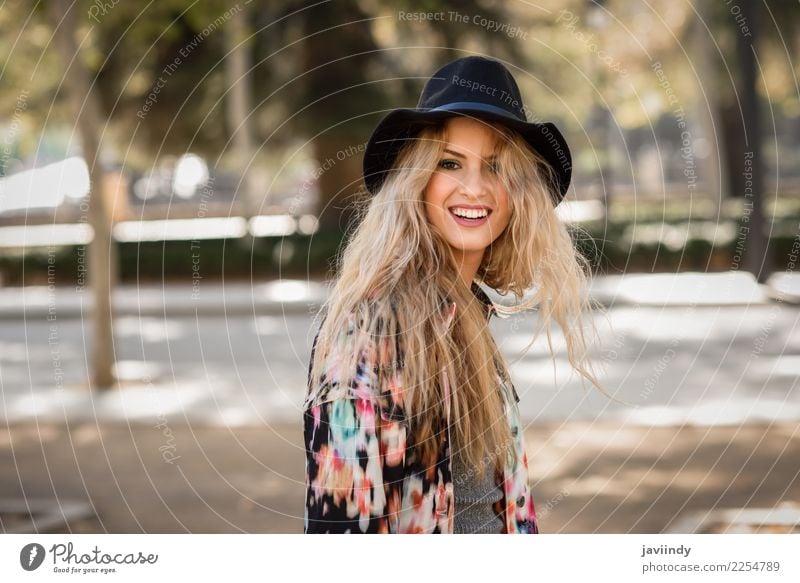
(470, 213)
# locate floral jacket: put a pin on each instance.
(361, 473)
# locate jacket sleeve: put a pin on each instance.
(354, 450)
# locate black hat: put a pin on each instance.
(478, 87)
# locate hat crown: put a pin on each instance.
(473, 79)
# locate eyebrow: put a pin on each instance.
(492, 157)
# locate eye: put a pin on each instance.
(444, 164)
(494, 167)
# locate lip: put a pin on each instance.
(467, 222)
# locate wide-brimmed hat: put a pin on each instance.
(477, 87)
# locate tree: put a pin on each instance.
(239, 105)
(102, 256)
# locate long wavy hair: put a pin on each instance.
(397, 272)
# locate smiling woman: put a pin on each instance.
(411, 420)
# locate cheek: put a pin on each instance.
(434, 197)
(437, 188)
(504, 216)
(428, 203)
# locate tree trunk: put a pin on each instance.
(338, 183)
(239, 106)
(709, 113)
(757, 247)
(102, 266)
(334, 66)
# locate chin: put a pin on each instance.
(477, 248)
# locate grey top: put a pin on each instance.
(474, 499)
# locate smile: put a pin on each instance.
(469, 213)
(470, 217)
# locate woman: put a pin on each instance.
(411, 421)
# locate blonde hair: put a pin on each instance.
(397, 272)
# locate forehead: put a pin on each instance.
(473, 136)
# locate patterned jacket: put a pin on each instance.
(361, 472)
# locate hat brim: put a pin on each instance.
(401, 125)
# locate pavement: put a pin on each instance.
(585, 477)
(648, 473)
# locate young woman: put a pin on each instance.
(411, 421)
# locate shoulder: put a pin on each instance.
(350, 363)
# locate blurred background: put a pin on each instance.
(177, 178)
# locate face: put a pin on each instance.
(466, 182)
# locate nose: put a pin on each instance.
(476, 182)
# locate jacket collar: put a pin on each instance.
(485, 299)
(477, 291)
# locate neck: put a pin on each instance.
(468, 263)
